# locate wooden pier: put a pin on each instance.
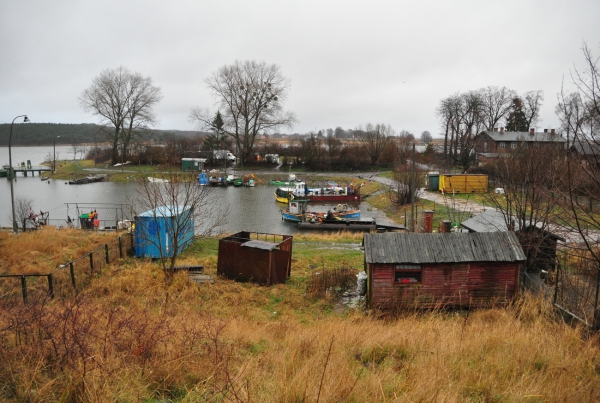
(27, 169)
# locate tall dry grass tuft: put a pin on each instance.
(42, 251)
(330, 236)
(331, 283)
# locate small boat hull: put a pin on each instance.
(343, 225)
(88, 179)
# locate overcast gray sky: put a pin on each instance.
(350, 62)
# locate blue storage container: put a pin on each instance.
(156, 229)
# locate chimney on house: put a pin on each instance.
(532, 131)
(502, 130)
(428, 221)
(545, 130)
(552, 131)
(445, 226)
(495, 129)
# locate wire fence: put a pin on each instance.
(577, 290)
(67, 279)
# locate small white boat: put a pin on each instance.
(157, 180)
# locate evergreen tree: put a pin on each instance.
(516, 120)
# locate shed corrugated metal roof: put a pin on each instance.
(411, 248)
(165, 211)
(260, 245)
(488, 221)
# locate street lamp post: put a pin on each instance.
(54, 159)
(11, 172)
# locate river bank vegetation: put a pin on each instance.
(136, 335)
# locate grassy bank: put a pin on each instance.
(135, 335)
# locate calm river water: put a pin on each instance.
(249, 209)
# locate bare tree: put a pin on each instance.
(401, 192)
(333, 144)
(582, 184)
(405, 143)
(186, 204)
(24, 213)
(496, 104)
(250, 96)
(374, 139)
(531, 178)
(532, 102)
(446, 112)
(574, 116)
(426, 137)
(462, 118)
(124, 103)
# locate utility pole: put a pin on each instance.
(412, 193)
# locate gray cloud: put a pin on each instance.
(350, 62)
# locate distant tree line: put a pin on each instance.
(33, 134)
(39, 134)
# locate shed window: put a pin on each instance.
(408, 274)
(513, 144)
(502, 144)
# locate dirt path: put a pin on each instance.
(457, 204)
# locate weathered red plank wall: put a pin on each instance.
(460, 285)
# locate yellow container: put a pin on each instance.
(463, 183)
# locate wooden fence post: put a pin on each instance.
(106, 252)
(596, 324)
(24, 288)
(120, 248)
(92, 261)
(72, 270)
(556, 284)
(51, 286)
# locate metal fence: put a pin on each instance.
(67, 279)
(577, 290)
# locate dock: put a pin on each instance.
(27, 169)
(351, 225)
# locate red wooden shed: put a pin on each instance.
(258, 257)
(410, 270)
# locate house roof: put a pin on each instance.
(494, 221)
(488, 221)
(585, 147)
(525, 136)
(413, 248)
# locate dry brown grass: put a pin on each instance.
(134, 335)
(42, 251)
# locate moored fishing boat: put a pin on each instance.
(334, 194)
(284, 194)
(298, 211)
(290, 181)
